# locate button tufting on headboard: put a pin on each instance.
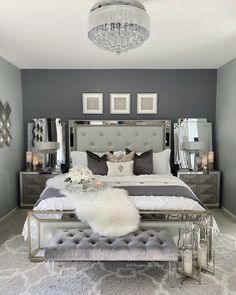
(138, 136)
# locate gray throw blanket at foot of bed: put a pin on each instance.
(137, 190)
(162, 190)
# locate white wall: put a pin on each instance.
(11, 157)
(226, 132)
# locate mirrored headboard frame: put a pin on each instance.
(158, 136)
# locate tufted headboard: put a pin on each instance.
(102, 136)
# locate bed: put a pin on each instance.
(159, 197)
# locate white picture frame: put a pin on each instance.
(120, 103)
(147, 103)
(92, 103)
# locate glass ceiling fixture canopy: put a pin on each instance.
(118, 25)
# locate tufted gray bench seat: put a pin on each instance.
(85, 245)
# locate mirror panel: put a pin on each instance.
(48, 130)
(191, 135)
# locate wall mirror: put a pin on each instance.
(192, 137)
(42, 133)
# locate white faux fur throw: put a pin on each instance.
(108, 212)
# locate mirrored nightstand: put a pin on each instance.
(31, 186)
(206, 186)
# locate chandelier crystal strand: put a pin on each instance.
(118, 25)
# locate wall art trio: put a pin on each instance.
(120, 103)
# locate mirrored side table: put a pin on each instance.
(32, 184)
(206, 186)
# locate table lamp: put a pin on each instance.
(193, 148)
(47, 148)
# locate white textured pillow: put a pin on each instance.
(79, 159)
(120, 169)
(161, 162)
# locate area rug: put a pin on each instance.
(20, 276)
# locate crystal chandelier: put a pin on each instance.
(118, 25)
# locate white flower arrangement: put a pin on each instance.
(79, 174)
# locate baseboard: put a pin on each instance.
(228, 212)
(9, 213)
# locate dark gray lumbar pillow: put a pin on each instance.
(97, 164)
(143, 164)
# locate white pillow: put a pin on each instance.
(120, 169)
(161, 162)
(79, 159)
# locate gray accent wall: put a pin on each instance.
(58, 93)
(182, 93)
(225, 132)
(11, 157)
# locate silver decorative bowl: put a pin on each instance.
(85, 186)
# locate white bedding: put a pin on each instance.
(141, 202)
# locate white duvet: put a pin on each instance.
(141, 202)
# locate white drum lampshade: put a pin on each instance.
(193, 146)
(48, 148)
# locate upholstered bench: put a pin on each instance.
(142, 245)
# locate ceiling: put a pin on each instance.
(52, 34)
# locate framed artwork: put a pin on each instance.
(120, 103)
(93, 103)
(147, 103)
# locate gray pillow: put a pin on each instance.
(97, 164)
(143, 164)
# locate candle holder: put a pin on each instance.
(196, 248)
(35, 162)
(204, 163)
(210, 159)
(28, 166)
(207, 258)
(40, 161)
(189, 252)
(29, 158)
(199, 163)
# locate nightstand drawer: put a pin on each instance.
(207, 189)
(30, 199)
(194, 188)
(208, 179)
(45, 177)
(32, 179)
(189, 178)
(33, 189)
(32, 184)
(206, 186)
(210, 199)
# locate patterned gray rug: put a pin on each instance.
(21, 277)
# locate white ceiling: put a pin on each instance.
(53, 34)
